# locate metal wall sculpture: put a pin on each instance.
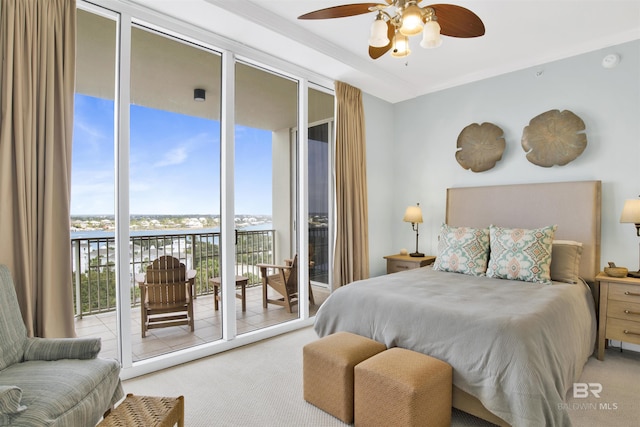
(554, 138)
(480, 147)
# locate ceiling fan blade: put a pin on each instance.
(339, 11)
(456, 21)
(377, 52)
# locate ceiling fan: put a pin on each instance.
(397, 20)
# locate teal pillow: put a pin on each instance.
(521, 254)
(462, 250)
(10, 397)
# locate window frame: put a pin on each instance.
(127, 16)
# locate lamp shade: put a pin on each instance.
(413, 214)
(431, 35)
(631, 211)
(378, 34)
(411, 21)
(400, 46)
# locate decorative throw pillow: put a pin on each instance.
(462, 250)
(565, 261)
(10, 396)
(521, 254)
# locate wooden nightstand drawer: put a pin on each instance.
(623, 330)
(396, 263)
(624, 310)
(624, 292)
(400, 266)
(619, 310)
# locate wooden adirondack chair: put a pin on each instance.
(165, 294)
(284, 281)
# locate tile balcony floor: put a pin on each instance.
(208, 324)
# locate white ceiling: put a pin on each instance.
(519, 34)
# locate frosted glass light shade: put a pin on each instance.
(431, 35)
(378, 36)
(411, 21)
(400, 46)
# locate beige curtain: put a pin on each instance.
(351, 256)
(37, 44)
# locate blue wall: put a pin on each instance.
(411, 146)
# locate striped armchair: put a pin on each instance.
(50, 382)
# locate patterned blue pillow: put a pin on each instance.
(521, 254)
(462, 250)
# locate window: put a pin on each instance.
(148, 166)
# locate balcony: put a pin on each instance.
(94, 285)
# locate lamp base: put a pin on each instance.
(634, 274)
(416, 254)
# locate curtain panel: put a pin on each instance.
(351, 255)
(37, 44)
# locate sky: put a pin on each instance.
(174, 163)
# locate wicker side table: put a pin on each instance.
(146, 411)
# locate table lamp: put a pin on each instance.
(631, 214)
(413, 214)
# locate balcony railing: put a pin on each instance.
(94, 261)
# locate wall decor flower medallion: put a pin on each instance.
(480, 146)
(554, 138)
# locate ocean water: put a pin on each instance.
(102, 234)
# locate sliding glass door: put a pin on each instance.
(266, 107)
(174, 188)
(183, 152)
(93, 190)
(320, 195)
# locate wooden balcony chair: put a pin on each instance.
(166, 294)
(284, 281)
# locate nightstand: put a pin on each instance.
(619, 310)
(398, 262)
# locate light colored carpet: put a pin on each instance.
(261, 385)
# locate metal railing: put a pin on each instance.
(94, 261)
(319, 244)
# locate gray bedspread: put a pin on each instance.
(518, 347)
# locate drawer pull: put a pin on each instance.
(635, 294)
(627, 332)
(631, 312)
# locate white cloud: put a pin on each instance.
(85, 133)
(174, 157)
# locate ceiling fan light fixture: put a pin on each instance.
(400, 47)
(378, 36)
(431, 35)
(411, 20)
(406, 18)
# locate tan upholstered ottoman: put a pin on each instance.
(400, 387)
(328, 371)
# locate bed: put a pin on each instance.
(516, 347)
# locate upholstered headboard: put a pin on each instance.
(573, 206)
